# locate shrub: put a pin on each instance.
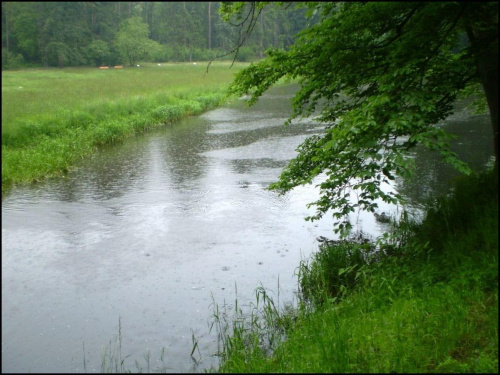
(163, 53)
(98, 52)
(245, 54)
(332, 271)
(12, 60)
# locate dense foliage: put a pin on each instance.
(381, 75)
(132, 40)
(81, 33)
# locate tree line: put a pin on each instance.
(113, 33)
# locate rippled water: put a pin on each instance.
(153, 230)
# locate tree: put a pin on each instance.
(57, 53)
(132, 41)
(209, 24)
(64, 33)
(382, 74)
(98, 52)
(25, 30)
(186, 30)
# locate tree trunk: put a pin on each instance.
(154, 35)
(92, 20)
(185, 21)
(261, 39)
(276, 32)
(209, 25)
(487, 69)
(6, 29)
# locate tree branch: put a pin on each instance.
(241, 40)
(399, 28)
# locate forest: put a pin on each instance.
(58, 34)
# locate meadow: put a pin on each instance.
(51, 118)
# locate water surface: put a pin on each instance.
(155, 229)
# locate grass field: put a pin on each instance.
(53, 117)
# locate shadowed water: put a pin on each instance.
(151, 230)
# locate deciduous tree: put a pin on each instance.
(98, 52)
(132, 41)
(382, 75)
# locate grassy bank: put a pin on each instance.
(51, 118)
(426, 301)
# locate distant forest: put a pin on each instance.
(106, 33)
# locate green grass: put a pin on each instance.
(427, 301)
(52, 118)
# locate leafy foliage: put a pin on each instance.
(57, 53)
(133, 40)
(98, 52)
(381, 75)
(332, 272)
(188, 31)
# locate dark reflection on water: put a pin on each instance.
(473, 145)
(150, 229)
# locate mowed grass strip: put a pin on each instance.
(51, 118)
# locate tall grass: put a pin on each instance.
(427, 304)
(52, 118)
(114, 361)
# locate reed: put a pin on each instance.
(114, 361)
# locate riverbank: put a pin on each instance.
(426, 302)
(52, 118)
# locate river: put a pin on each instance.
(154, 230)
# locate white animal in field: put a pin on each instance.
(194, 63)
(138, 66)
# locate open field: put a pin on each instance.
(53, 117)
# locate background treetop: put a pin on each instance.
(185, 31)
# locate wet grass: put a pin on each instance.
(52, 118)
(114, 361)
(425, 301)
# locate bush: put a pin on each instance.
(245, 54)
(12, 60)
(163, 53)
(98, 52)
(57, 54)
(456, 215)
(114, 56)
(332, 271)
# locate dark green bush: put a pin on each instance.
(245, 54)
(333, 270)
